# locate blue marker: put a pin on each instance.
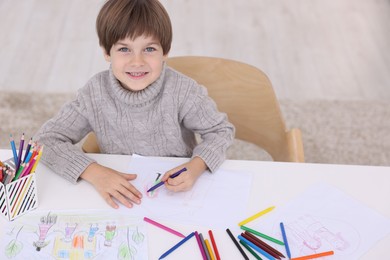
(285, 240)
(177, 245)
(161, 182)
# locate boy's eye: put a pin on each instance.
(124, 49)
(150, 49)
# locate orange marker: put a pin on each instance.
(313, 256)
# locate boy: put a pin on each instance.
(139, 105)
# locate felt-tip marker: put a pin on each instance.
(161, 182)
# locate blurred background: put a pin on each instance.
(329, 62)
(335, 49)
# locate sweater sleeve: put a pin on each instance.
(59, 136)
(216, 132)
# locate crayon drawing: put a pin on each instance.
(72, 235)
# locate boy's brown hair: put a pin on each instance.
(119, 19)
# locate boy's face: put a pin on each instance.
(136, 63)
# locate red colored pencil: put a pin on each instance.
(214, 245)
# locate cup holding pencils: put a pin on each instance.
(18, 191)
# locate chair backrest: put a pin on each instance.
(246, 95)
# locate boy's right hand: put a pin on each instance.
(112, 184)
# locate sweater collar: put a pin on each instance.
(137, 98)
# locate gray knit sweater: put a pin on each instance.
(158, 121)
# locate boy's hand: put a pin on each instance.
(112, 184)
(186, 179)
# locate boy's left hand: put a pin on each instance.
(186, 179)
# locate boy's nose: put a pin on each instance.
(137, 60)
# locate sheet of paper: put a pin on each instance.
(75, 235)
(217, 200)
(324, 218)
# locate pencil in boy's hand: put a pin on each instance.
(161, 182)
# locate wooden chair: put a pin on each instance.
(246, 95)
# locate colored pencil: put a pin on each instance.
(285, 240)
(257, 233)
(258, 249)
(36, 162)
(327, 253)
(261, 213)
(237, 244)
(170, 230)
(25, 169)
(214, 245)
(29, 166)
(200, 246)
(270, 250)
(27, 150)
(177, 245)
(12, 142)
(35, 151)
(250, 250)
(162, 183)
(9, 177)
(19, 171)
(20, 155)
(29, 155)
(208, 246)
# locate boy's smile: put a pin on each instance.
(136, 63)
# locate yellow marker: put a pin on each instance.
(209, 249)
(256, 216)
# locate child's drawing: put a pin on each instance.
(109, 234)
(311, 235)
(45, 224)
(149, 184)
(71, 235)
(324, 218)
(14, 247)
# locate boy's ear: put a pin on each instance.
(106, 55)
(165, 57)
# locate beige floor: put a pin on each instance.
(335, 49)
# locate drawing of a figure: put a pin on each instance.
(92, 232)
(312, 234)
(109, 234)
(46, 223)
(69, 229)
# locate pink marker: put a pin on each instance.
(170, 230)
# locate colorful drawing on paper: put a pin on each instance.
(324, 218)
(75, 235)
(149, 184)
(310, 234)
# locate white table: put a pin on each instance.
(277, 182)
